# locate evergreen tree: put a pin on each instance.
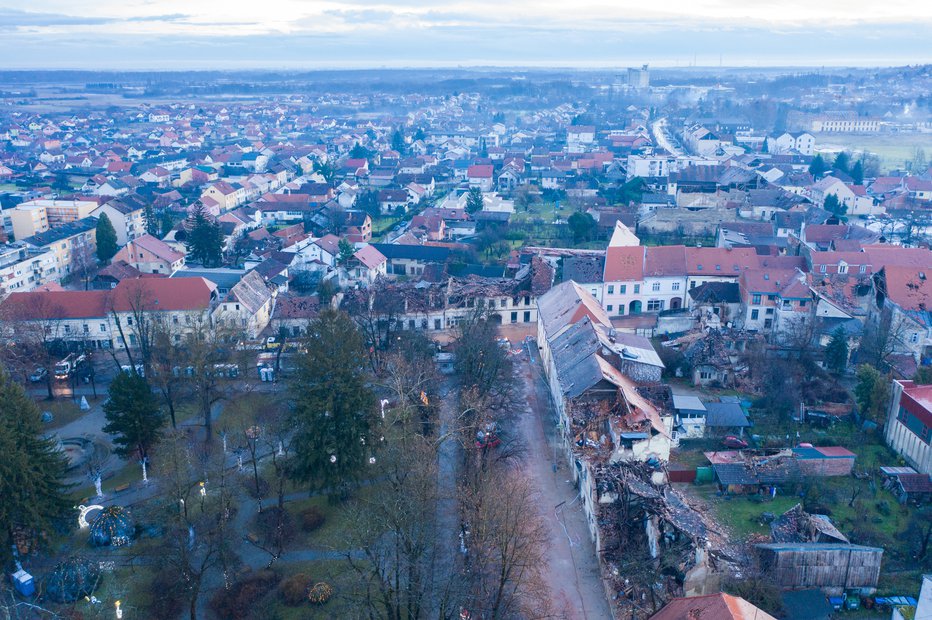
(334, 413)
(818, 167)
(857, 172)
(368, 201)
(133, 416)
(166, 223)
(32, 470)
(833, 205)
(346, 250)
(872, 393)
(474, 200)
(106, 238)
(205, 240)
(359, 152)
(398, 141)
(582, 225)
(842, 162)
(836, 352)
(150, 220)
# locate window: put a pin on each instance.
(103, 327)
(842, 268)
(787, 304)
(803, 302)
(611, 289)
(655, 287)
(862, 269)
(771, 297)
(755, 314)
(698, 267)
(914, 337)
(514, 317)
(705, 374)
(411, 323)
(67, 329)
(129, 320)
(624, 289)
(609, 308)
(755, 299)
(437, 323)
(822, 269)
(87, 328)
(637, 289)
(527, 300)
(655, 305)
(769, 312)
(768, 323)
(676, 286)
(527, 317)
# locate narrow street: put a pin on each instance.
(571, 568)
(448, 454)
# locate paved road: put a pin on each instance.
(659, 130)
(571, 568)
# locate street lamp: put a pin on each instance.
(119, 612)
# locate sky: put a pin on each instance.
(293, 34)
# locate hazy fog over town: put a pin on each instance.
(465, 310)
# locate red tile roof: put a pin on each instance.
(719, 606)
(624, 263)
(479, 172)
(168, 294)
(720, 261)
(909, 287)
(665, 260)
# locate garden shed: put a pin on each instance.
(830, 567)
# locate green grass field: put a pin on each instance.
(893, 149)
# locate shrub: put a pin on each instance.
(165, 589)
(320, 593)
(311, 519)
(294, 589)
(237, 602)
(249, 484)
(267, 525)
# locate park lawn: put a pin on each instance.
(64, 410)
(336, 532)
(128, 474)
(348, 591)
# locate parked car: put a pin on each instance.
(735, 443)
(39, 374)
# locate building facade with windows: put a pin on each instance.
(908, 430)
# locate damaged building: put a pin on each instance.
(616, 420)
(436, 306)
(653, 545)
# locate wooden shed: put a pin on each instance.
(830, 567)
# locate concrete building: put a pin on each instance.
(909, 424)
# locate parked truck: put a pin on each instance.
(69, 365)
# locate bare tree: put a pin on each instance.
(37, 329)
(197, 516)
(506, 546)
(402, 567)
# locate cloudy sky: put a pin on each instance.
(183, 34)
